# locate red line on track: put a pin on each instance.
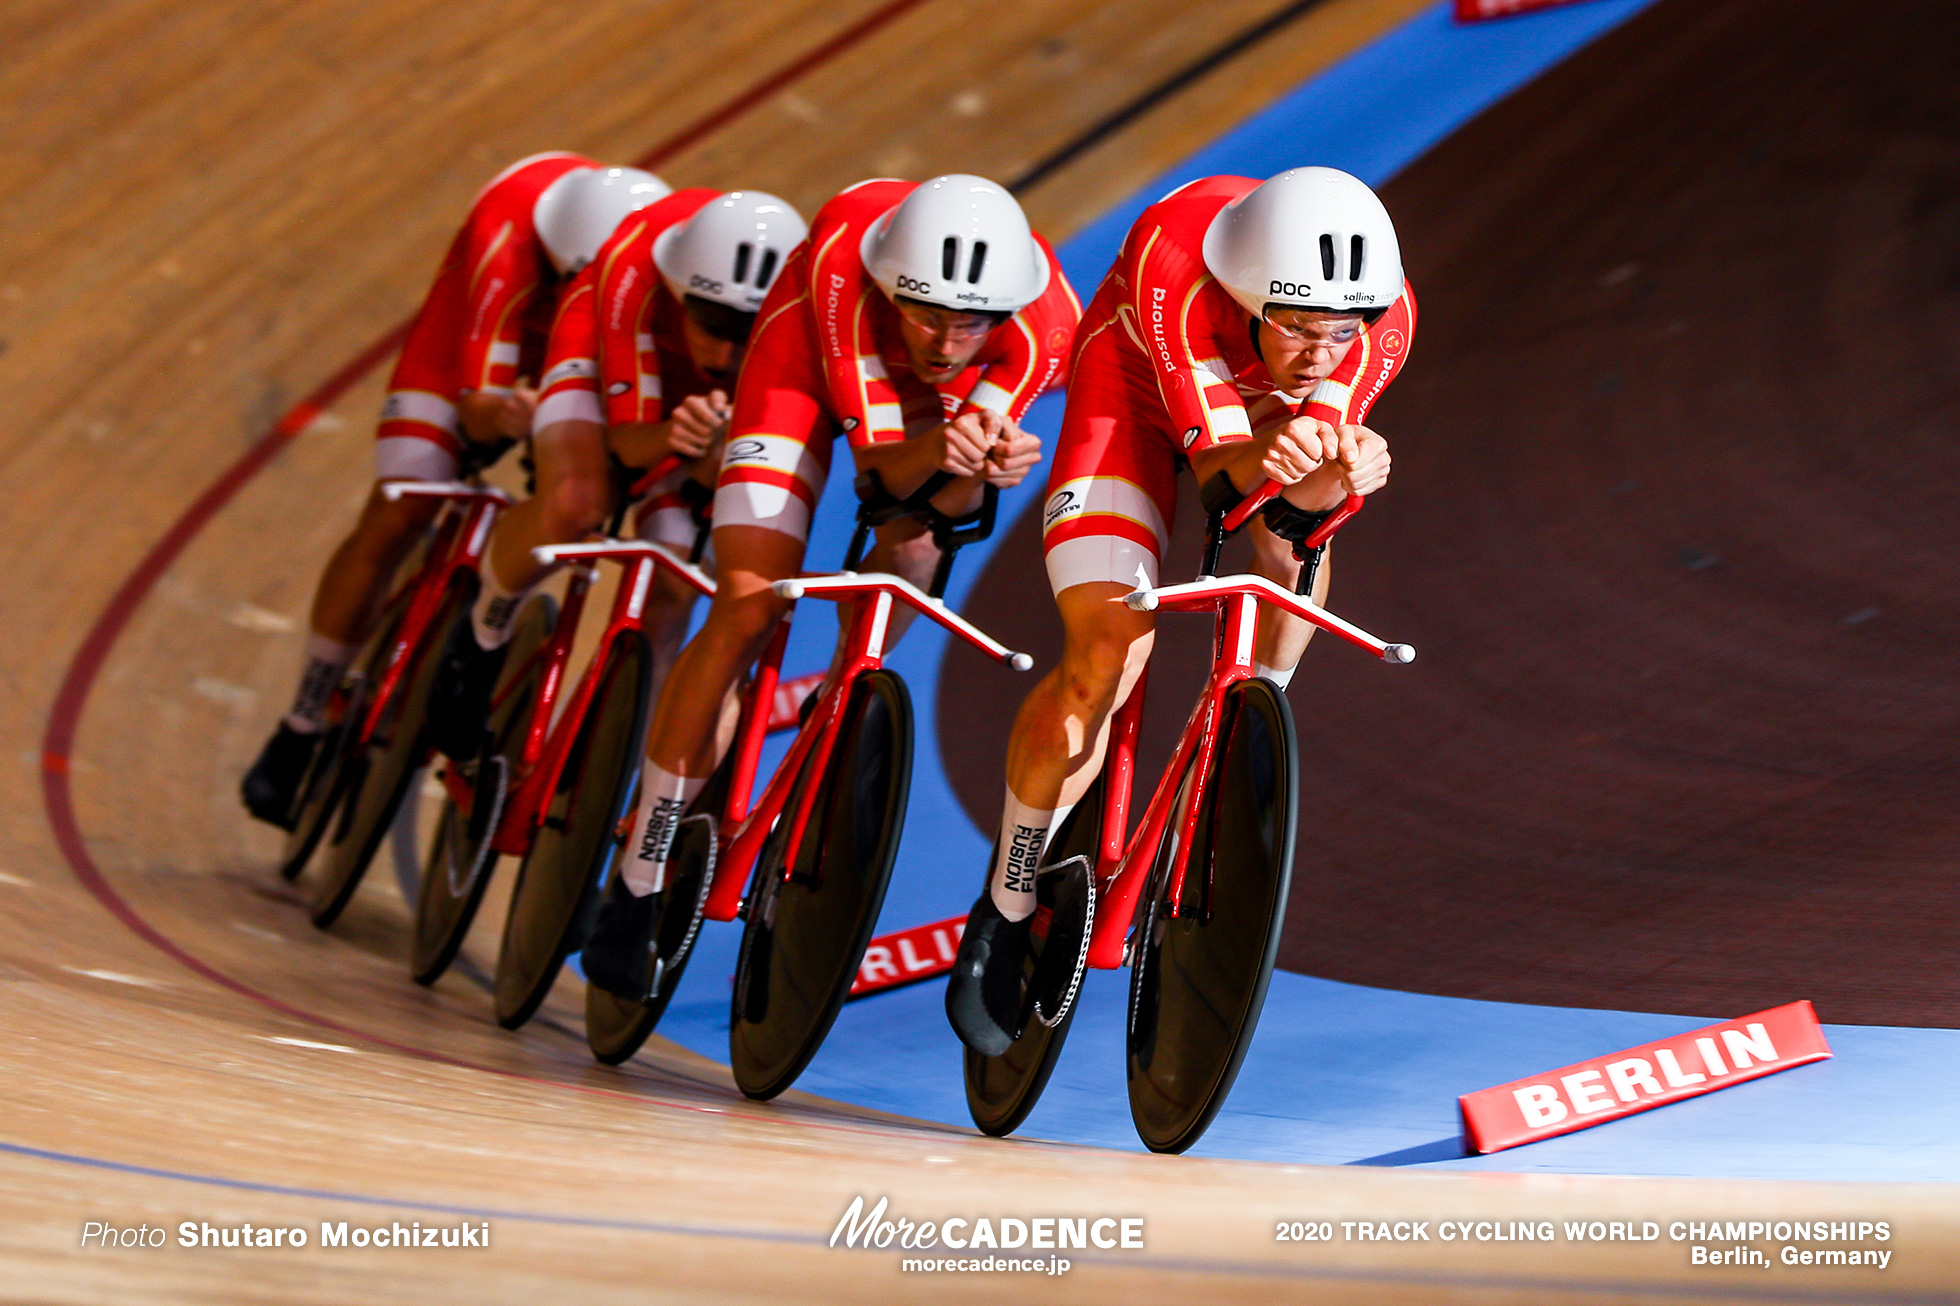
(64, 719)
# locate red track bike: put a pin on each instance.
(816, 850)
(555, 775)
(1193, 901)
(376, 735)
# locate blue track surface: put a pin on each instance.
(1337, 1073)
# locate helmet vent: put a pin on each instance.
(1356, 249)
(949, 259)
(742, 253)
(979, 262)
(767, 270)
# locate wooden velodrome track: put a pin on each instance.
(211, 207)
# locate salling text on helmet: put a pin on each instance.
(731, 249)
(576, 213)
(1312, 238)
(958, 242)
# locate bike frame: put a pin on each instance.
(461, 536)
(548, 742)
(743, 829)
(1123, 865)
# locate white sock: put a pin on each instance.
(1024, 835)
(496, 605)
(326, 661)
(663, 799)
(1274, 674)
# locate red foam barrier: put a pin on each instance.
(1478, 11)
(1621, 1083)
(909, 955)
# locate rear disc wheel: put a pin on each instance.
(1199, 977)
(1002, 1090)
(461, 860)
(557, 889)
(379, 772)
(806, 934)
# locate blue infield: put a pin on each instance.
(1338, 1074)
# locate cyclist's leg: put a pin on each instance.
(1110, 498)
(574, 491)
(574, 494)
(666, 519)
(763, 503)
(350, 589)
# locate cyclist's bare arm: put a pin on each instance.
(489, 416)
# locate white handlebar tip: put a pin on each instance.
(1020, 662)
(788, 589)
(1399, 653)
(1141, 601)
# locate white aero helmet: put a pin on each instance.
(958, 242)
(1312, 238)
(578, 211)
(730, 250)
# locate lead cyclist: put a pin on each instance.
(1233, 304)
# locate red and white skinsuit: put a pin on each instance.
(826, 358)
(619, 354)
(482, 326)
(1165, 366)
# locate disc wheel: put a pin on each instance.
(1002, 1090)
(380, 771)
(557, 889)
(1198, 978)
(461, 860)
(616, 1027)
(806, 934)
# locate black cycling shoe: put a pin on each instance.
(619, 954)
(459, 702)
(271, 786)
(983, 998)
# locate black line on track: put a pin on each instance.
(1150, 99)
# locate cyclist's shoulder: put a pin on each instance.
(1185, 213)
(520, 184)
(856, 207)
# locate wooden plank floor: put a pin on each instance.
(206, 208)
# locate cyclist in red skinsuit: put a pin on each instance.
(919, 322)
(829, 359)
(460, 379)
(1192, 351)
(639, 366)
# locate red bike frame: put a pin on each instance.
(546, 744)
(461, 536)
(1123, 865)
(743, 828)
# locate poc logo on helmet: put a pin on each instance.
(1289, 288)
(907, 283)
(698, 282)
